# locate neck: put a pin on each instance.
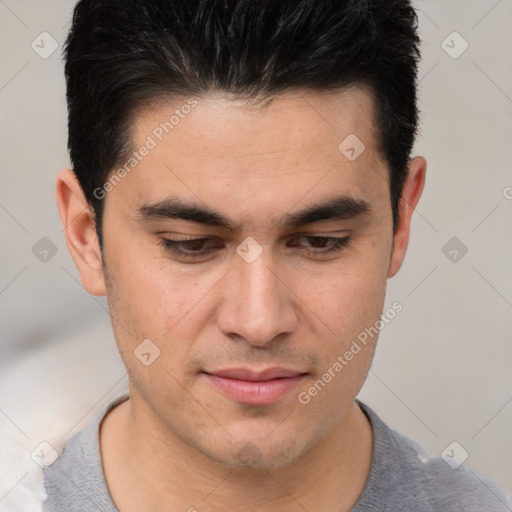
(143, 460)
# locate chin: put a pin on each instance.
(258, 456)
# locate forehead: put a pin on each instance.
(296, 121)
(289, 149)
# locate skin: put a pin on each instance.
(176, 443)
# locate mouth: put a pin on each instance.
(252, 387)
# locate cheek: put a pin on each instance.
(147, 310)
(345, 304)
(150, 299)
(346, 336)
(346, 296)
(349, 308)
(154, 295)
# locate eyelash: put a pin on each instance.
(176, 246)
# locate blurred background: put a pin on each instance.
(442, 370)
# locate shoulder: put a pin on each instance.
(406, 477)
(75, 481)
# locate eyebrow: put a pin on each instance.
(336, 208)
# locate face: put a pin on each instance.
(249, 250)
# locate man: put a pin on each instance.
(241, 191)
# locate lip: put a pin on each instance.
(255, 387)
(274, 372)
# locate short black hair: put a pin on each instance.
(122, 55)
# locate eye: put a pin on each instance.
(188, 248)
(324, 244)
(198, 247)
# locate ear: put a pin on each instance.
(411, 194)
(78, 221)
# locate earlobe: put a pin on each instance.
(81, 239)
(411, 194)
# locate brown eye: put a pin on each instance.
(323, 244)
(192, 248)
(319, 241)
(194, 245)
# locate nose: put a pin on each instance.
(257, 302)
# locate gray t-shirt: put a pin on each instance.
(403, 478)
